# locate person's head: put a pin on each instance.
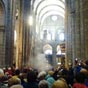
(43, 84)
(17, 72)
(16, 86)
(86, 62)
(59, 84)
(13, 81)
(41, 75)
(80, 77)
(31, 76)
(1, 73)
(51, 73)
(84, 71)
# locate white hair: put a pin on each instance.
(16, 86)
(1, 71)
(43, 84)
(42, 73)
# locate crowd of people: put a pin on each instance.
(60, 77)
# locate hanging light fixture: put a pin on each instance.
(54, 18)
(30, 20)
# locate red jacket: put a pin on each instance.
(79, 85)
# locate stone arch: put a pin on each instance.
(45, 8)
(40, 2)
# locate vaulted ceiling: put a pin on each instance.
(46, 8)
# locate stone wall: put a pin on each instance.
(2, 35)
(76, 29)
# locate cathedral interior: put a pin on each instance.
(43, 33)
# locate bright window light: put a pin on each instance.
(41, 35)
(53, 36)
(63, 0)
(48, 37)
(30, 20)
(59, 63)
(61, 36)
(15, 35)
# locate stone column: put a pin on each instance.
(85, 26)
(82, 28)
(19, 30)
(77, 30)
(9, 34)
(26, 31)
(54, 45)
(73, 16)
(73, 42)
(68, 32)
(76, 19)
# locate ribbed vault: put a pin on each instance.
(44, 8)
